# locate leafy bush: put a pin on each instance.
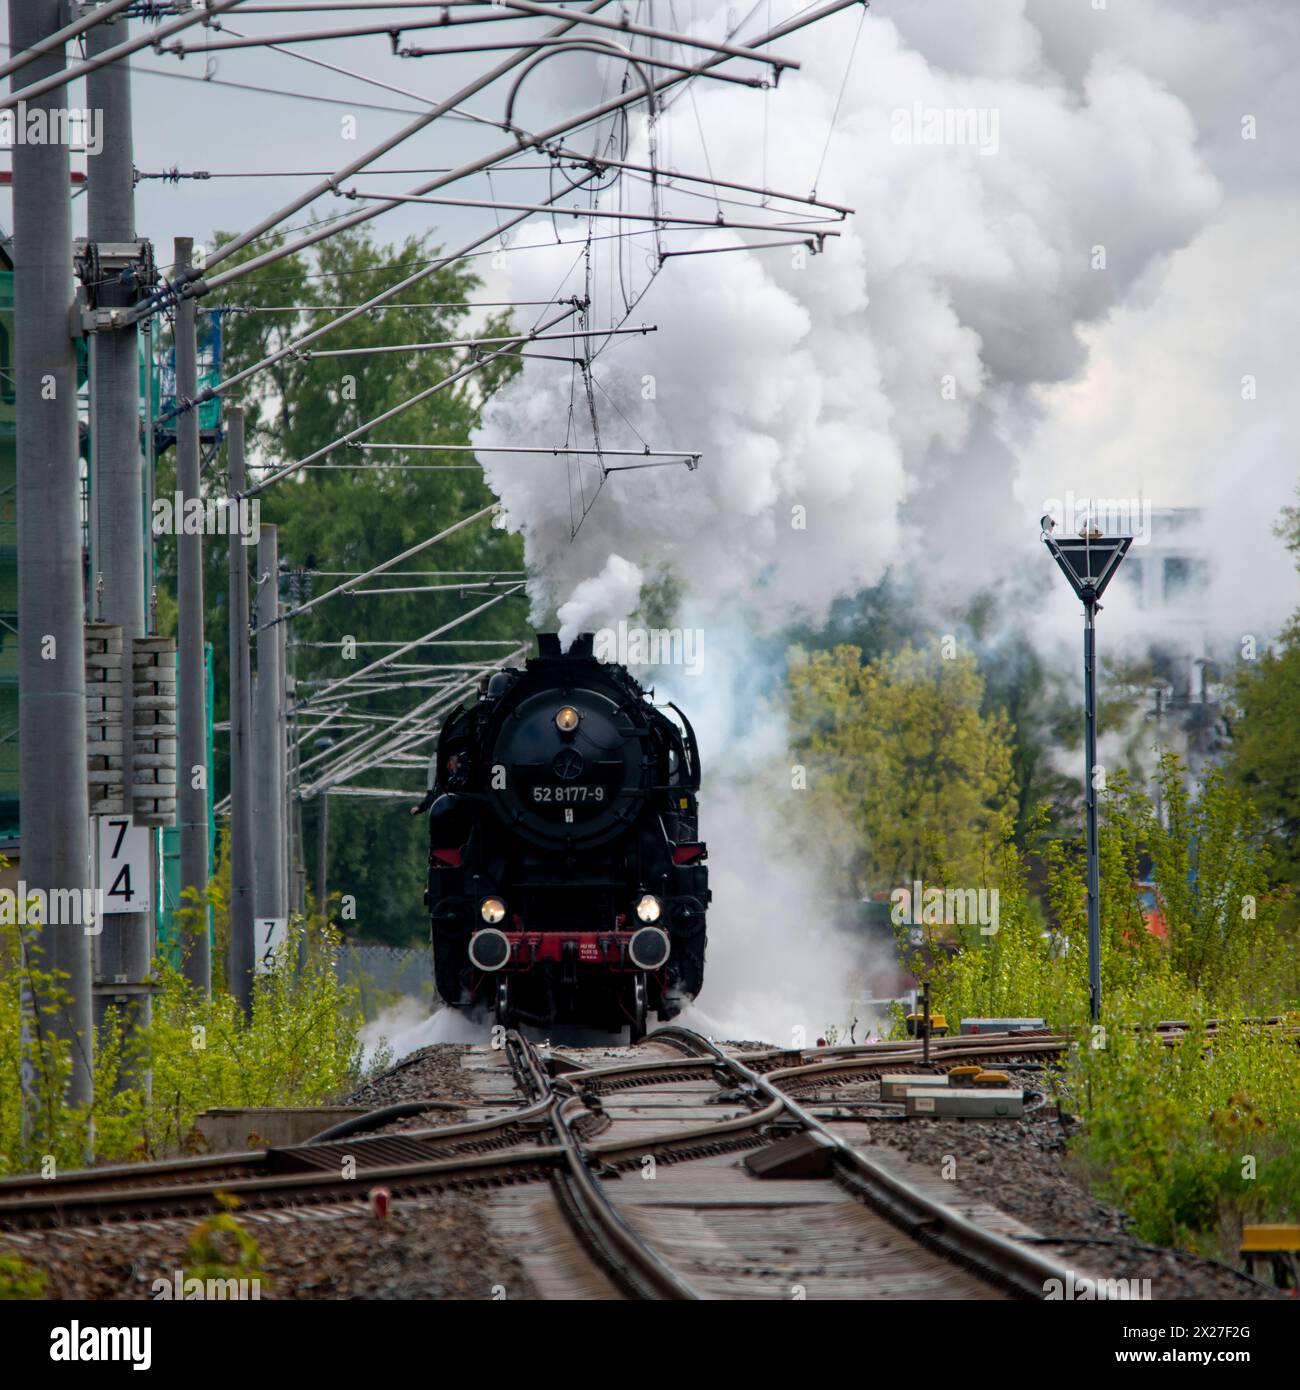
(19, 1280)
(222, 1249)
(901, 731)
(1191, 1140)
(299, 1047)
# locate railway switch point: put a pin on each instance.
(807, 1155)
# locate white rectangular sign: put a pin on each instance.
(268, 936)
(125, 857)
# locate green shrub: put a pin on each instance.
(1192, 1139)
(19, 1280)
(299, 1047)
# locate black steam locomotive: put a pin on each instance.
(567, 880)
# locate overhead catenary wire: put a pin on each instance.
(308, 605)
(656, 216)
(537, 138)
(381, 662)
(291, 468)
(376, 82)
(355, 31)
(308, 354)
(627, 26)
(424, 271)
(667, 175)
(394, 752)
(554, 450)
(835, 113)
(211, 9)
(418, 304)
(424, 710)
(62, 36)
(343, 6)
(495, 46)
(378, 151)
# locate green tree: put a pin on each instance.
(1265, 756)
(906, 775)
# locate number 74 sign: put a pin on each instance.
(125, 860)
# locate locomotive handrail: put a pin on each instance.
(692, 747)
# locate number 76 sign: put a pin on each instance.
(268, 935)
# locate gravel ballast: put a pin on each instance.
(441, 1246)
(1022, 1167)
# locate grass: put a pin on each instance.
(298, 1047)
(1193, 1140)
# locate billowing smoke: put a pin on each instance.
(825, 393)
(604, 598)
(1020, 183)
(407, 1025)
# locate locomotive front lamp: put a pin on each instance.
(648, 909)
(492, 910)
(566, 720)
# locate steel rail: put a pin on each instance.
(1024, 1272)
(179, 1187)
(254, 1194)
(627, 1258)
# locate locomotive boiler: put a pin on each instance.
(567, 877)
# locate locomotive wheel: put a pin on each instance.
(504, 1012)
(637, 1026)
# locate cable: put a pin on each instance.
(830, 130)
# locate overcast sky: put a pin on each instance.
(1121, 126)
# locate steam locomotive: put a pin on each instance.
(567, 879)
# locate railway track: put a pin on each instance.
(504, 1149)
(685, 1171)
(825, 1221)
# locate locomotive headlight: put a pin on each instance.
(492, 910)
(648, 908)
(566, 719)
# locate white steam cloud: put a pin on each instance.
(826, 392)
(906, 398)
(602, 599)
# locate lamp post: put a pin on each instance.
(1089, 561)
